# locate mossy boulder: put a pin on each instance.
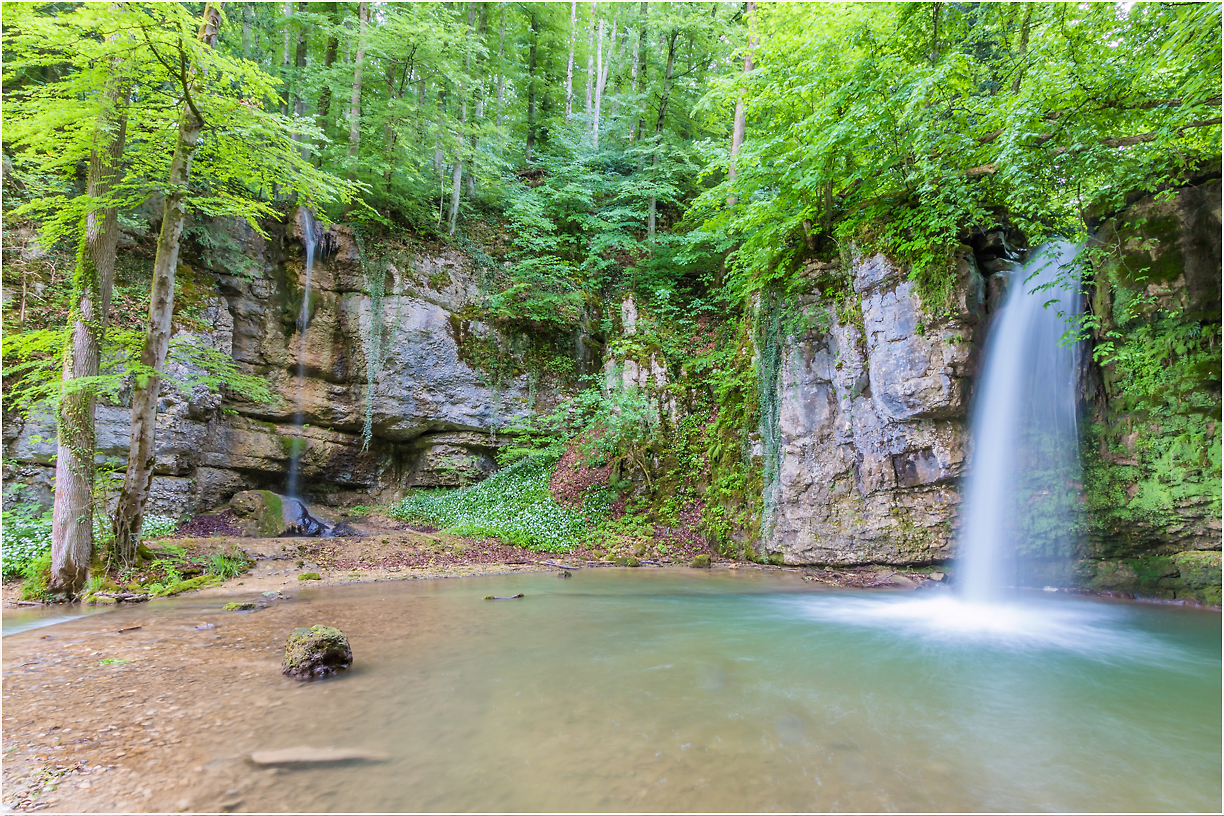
(317, 652)
(628, 561)
(262, 512)
(701, 562)
(310, 576)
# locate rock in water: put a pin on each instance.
(305, 755)
(316, 652)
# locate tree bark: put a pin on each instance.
(129, 515)
(480, 92)
(286, 59)
(652, 214)
(325, 95)
(598, 84)
(72, 543)
(569, 71)
(639, 57)
(590, 86)
(531, 83)
(363, 18)
(737, 131)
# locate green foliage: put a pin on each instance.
(512, 505)
(895, 127)
(26, 538)
(158, 527)
(229, 564)
(37, 574)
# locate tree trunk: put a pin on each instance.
(299, 63)
(72, 543)
(590, 60)
(1024, 38)
(480, 92)
(601, 79)
(363, 18)
(639, 56)
(531, 82)
(737, 132)
(501, 71)
(286, 74)
(325, 95)
(130, 513)
(457, 169)
(652, 214)
(569, 71)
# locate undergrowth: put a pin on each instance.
(513, 505)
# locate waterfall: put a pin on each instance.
(1020, 497)
(310, 237)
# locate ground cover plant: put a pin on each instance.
(514, 505)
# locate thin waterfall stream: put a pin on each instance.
(310, 239)
(295, 514)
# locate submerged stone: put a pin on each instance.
(306, 755)
(319, 651)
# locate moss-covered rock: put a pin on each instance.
(240, 606)
(701, 562)
(1181, 576)
(310, 576)
(317, 652)
(262, 510)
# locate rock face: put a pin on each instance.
(317, 652)
(872, 405)
(1151, 447)
(438, 411)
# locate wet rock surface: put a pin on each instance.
(317, 652)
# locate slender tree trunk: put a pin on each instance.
(590, 60)
(363, 18)
(598, 83)
(480, 91)
(72, 543)
(601, 79)
(1024, 38)
(457, 169)
(129, 515)
(639, 56)
(299, 64)
(248, 16)
(286, 58)
(652, 214)
(569, 71)
(501, 72)
(325, 96)
(737, 131)
(531, 83)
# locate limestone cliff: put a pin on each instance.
(438, 416)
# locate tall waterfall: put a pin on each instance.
(1019, 511)
(310, 237)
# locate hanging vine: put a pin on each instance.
(374, 269)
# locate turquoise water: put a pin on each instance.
(680, 691)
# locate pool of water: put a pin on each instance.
(670, 691)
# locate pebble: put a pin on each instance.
(207, 626)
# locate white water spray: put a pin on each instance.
(1021, 491)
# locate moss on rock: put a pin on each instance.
(316, 652)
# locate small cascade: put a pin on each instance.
(1019, 512)
(310, 238)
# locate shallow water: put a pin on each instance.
(681, 690)
(36, 617)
